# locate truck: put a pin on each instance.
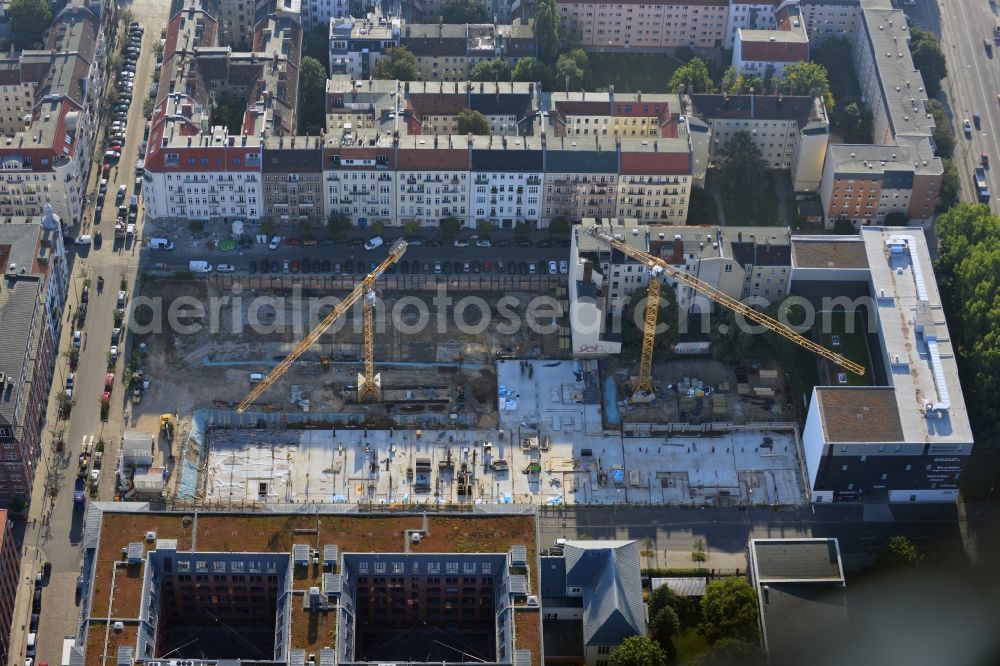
(199, 266)
(120, 229)
(982, 188)
(78, 497)
(160, 244)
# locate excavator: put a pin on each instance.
(369, 382)
(658, 270)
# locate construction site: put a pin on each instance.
(328, 398)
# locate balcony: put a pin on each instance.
(534, 180)
(415, 189)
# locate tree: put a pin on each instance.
(497, 69)
(317, 44)
(664, 626)
(522, 230)
(559, 226)
(853, 121)
(929, 59)
(411, 229)
(530, 70)
(701, 207)
(806, 78)
(312, 93)
(844, 227)
(944, 135)
(573, 65)
(450, 226)
(638, 651)
(471, 121)
(732, 652)
(736, 83)
(898, 552)
(743, 175)
(17, 505)
(378, 226)
(729, 610)
(29, 19)
(896, 219)
(396, 63)
(693, 77)
(338, 224)
(948, 194)
(464, 11)
(547, 31)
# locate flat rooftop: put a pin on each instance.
(797, 560)
(113, 526)
(915, 338)
(846, 252)
(860, 414)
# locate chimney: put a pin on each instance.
(638, 96)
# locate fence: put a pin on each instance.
(397, 282)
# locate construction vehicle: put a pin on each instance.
(658, 269)
(369, 382)
(167, 426)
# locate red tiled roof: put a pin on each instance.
(666, 163)
(775, 51)
(442, 159)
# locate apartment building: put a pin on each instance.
(357, 44)
(791, 132)
(743, 262)
(345, 611)
(323, 12)
(10, 572)
(236, 19)
(31, 302)
(906, 437)
(580, 178)
(506, 178)
(824, 19)
(901, 173)
(48, 127)
(196, 171)
(510, 108)
(360, 180)
(644, 25)
(614, 114)
(766, 53)
(432, 179)
(749, 16)
(449, 52)
(292, 180)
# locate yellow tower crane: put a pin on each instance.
(658, 268)
(368, 383)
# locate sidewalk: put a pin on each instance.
(31, 563)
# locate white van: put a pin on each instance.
(374, 243)
(256, 377)
(198, 266)
(225, 268)
(160, 244)
(30, 652)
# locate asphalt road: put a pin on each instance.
(725, 533)
(57, 528)
(341, 252)
(972, 84)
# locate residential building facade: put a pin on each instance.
(644, 25)
(449, 52)
(292, 180)
(766, 53)
(31, 303)
(10, 573)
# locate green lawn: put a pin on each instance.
(690, 645)
(629, 72)
(852, 345)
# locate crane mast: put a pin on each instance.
(364, 288)
(658, 268)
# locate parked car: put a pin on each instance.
(523, 242)
(36, 602)
(502, 243)
(374, 242)
(70, 384)
(253, 267)
(967, 128)
(293, 242)
(484, 242)
(77, 339)
(275, 242)
(325, 266)
(984, 158)
(461, 243)
(275, 267)
(109, 382)
(553, 268)
(563, 267)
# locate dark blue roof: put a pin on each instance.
(510, 159)
(581, 161)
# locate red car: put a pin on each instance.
(486, 265)
(106, 170)
(292, 241)
(295, 265)
(106, 398)
(109, 383)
